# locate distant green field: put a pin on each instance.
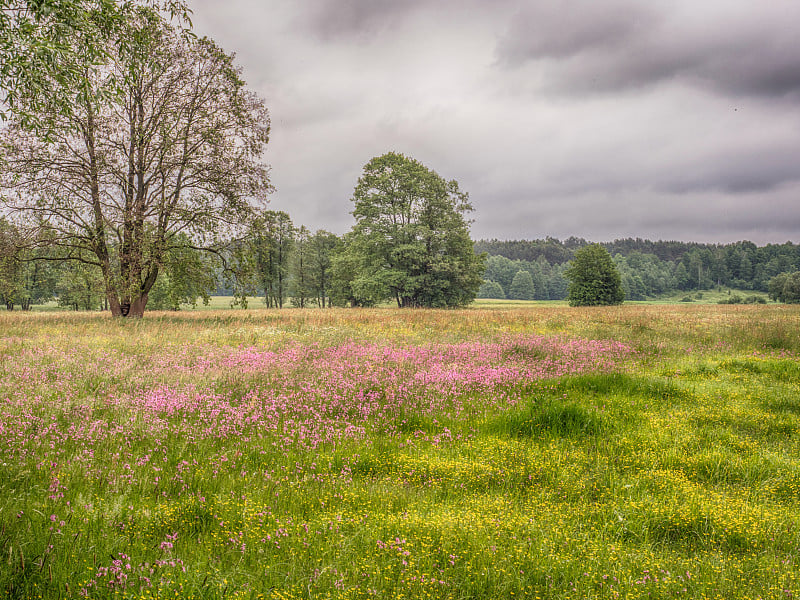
(500, 451)
(257, 302)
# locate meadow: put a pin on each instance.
(493, 452)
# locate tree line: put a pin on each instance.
(410, 244)
(647, 268)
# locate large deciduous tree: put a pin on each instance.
(594, 278)
(411, 241)
(161, 151)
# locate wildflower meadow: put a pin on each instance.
(518, 452)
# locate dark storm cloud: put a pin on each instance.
(733, 48)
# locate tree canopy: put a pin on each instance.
(785, 287)
(411, 242)
(51, 49)
(491, 289)
(594, 279)
(522, 287)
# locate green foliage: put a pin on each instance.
(522, 287)
(647, 268)
(320, 266)
(25, 279)
(502, 270)
(594, 279)
(300, 287)
(80, 287)
(259, 263)
(188, 275)
(50, 49)
(785, 287)
(345, 267)
(491, 289)
(272, 239)
(737, 299)
(411, 242)
(644, 275)
(10, 265)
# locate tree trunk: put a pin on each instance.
(137, 307)
(113, 304)
(134, 309)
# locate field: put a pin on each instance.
(495, 452)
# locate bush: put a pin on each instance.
(737, 299)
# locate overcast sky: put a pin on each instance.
(603, 119)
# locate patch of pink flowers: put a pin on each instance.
(303, 395)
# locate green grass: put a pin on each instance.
(402, 454)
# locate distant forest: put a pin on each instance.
(647, 268)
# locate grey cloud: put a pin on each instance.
(737, 172)
(607, 47)
(735, 181)
(343, 19)
(565, 29)
(599, 216)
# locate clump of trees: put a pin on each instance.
(411, 241)
(785, 287)
(491, 289)
(737, 299)
(410, 245)
(594, 279)
(548, 280)
(522, 287)
(279, 261)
